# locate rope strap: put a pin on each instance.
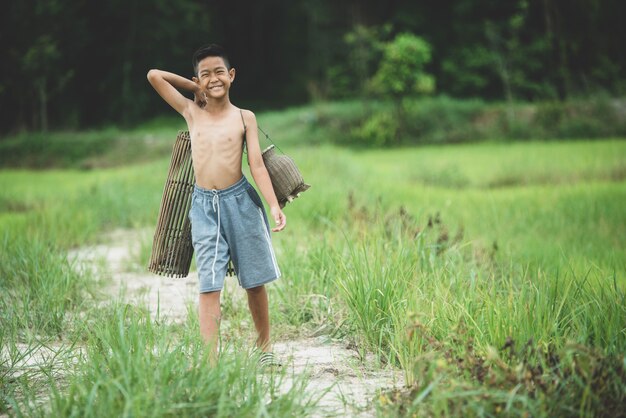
(245, 150)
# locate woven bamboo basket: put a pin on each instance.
(171, 248)
(285, 176)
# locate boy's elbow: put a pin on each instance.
(257, 167)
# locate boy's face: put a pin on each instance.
(213, 77)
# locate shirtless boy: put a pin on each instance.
(227, 216)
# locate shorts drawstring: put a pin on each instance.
(216, 203)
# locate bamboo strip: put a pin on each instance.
(172, 250)
(181, 196)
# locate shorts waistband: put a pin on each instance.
(230, 190)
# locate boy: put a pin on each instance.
(227, 216)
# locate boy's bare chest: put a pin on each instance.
(212, 135)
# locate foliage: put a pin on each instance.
(81, 66)
(87, 149)
(513, 380)
(503, 59)
(41, 63)
(379, 130)
(401, 70)
(70, 66)
(445, 120)
(365, 46)
(586, 118)
(400, 75)
(364, 123)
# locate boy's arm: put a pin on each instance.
(167, 85)
(259, 172)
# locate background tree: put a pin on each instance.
(41, 63)
(288, 52)
(402, 74)
(364, 46)
(402, 69)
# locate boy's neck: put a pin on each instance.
(217, 105)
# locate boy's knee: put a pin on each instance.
(209, 295)
(209, 298)
(256, 290)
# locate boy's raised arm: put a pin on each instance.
(167, 85)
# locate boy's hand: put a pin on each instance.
(279, 218)
(199, 98)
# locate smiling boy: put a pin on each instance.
(228, 220)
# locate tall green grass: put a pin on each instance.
(71, 207)
(439, 276)
(466, 266)
(39, 286)
(139, 366)
(41, 295)
(569, 217)
(420, 298)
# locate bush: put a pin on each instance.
(401, 72)
(380, 129)
(433, 120)
(87, 149)
(42, 150)
(442, 120)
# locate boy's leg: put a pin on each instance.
(209, 315)
(257, 302)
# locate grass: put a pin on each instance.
(39, 286)
(492, 274)
(85, 150)
(41, 294)
(135, 365)
(448, 273)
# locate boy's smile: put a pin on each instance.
(216, 88)
(214, 78)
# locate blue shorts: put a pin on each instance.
(231, 224)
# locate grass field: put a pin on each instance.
(492, 274)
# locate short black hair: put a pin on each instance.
(212, 50)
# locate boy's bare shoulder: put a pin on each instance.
(248, 116)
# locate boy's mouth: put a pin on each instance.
(216, 86)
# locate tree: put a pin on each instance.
(402, 74)
(41, 63)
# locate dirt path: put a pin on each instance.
(345, 383)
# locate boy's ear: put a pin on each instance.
(195, 80)
(231, 73)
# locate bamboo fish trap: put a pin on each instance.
(171, 248)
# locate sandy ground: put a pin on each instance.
(344, 383)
